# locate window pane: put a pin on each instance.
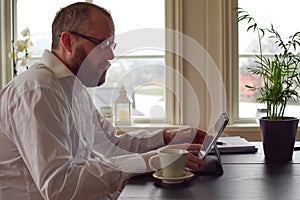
(140, 68)
(144, 79)
(278, 14)
(135, 14)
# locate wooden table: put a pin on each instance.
(246, 176)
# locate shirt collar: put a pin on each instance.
(55, 64)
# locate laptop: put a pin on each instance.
(212, 136)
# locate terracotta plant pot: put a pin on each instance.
(278, 137)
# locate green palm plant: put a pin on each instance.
(280, 74)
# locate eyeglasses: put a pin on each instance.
(103, 44)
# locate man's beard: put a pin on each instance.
(85, 70)
(77, 59)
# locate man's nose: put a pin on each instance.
(109, 55)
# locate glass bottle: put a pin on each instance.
(123, 108)
(106, 112)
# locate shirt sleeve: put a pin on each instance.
(138, 141)
(142, 140)
(41, 132)
(124, 150)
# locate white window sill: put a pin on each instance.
(146, 126)
(253, 127)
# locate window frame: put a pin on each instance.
(5, 41)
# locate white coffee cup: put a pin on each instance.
(172, 162)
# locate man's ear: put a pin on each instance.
(66, 39)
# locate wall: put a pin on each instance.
(203, 21)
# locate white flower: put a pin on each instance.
(25, 32)
(21, 49)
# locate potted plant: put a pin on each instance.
(280, 84)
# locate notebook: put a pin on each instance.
(235, 144)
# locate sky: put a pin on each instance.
(282, 14)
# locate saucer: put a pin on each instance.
(172, 180)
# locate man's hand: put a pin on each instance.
(193, 161)
(183, 135)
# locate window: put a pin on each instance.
(141, 69)
(265, 12)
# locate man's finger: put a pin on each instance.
(195, 159)
(193, 162)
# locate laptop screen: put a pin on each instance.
(212, 135)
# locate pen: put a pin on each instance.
(296, 148)
(220, 143)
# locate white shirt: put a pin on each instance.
(54, 144)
